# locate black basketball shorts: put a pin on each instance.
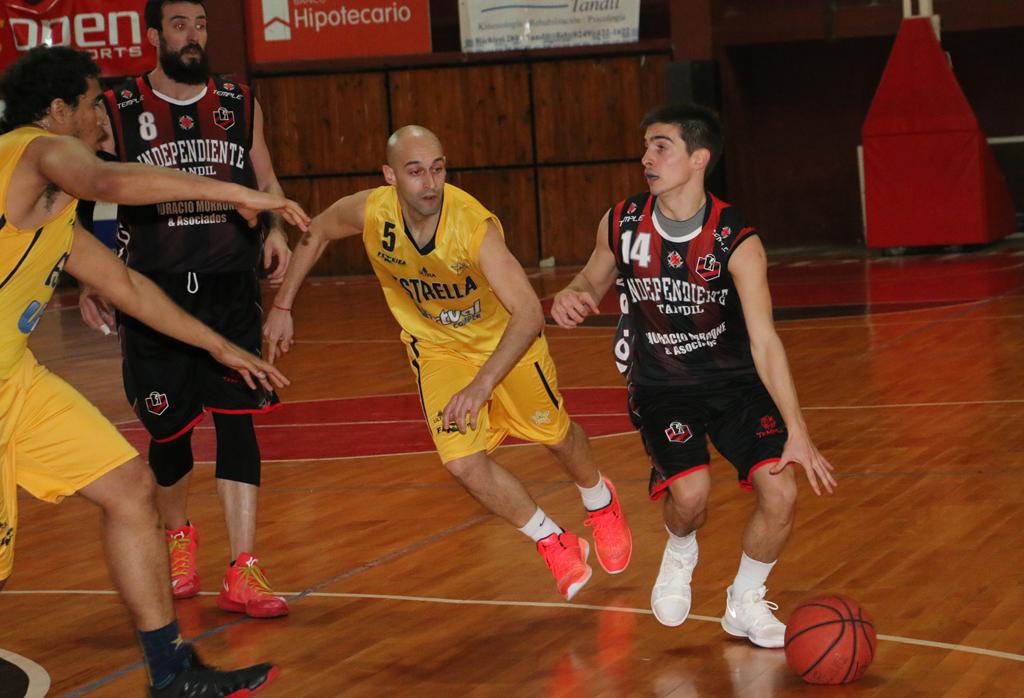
(171, 384)
(739, 416)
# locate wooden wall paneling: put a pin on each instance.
(591, 109)
(324, 124)
(510, 194)
(345, 256)
(572, 201)
(480, 113)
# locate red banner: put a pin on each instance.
(294, 30)
(113, 31)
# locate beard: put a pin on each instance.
(187, 72)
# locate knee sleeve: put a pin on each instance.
(238, 453)
(171, 460)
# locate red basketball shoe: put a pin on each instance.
(566, 556)
(613, 541)
(246, 590)
(182, 544)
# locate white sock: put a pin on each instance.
(682, 544)
(752, 575)
(596, 497)
(540, 526)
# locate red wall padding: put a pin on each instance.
(930, 177)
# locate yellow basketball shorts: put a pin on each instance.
(53, 442)
(526, 404)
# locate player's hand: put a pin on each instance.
(571, 307)
(279, 332)
(250, 202)
(275, 247)
(249, 366)
(96, 310)
(799, 449)
(464, 407)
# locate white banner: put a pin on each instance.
(506, 25)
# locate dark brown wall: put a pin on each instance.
(226, 46)
(793, 113)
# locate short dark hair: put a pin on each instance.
(698, 126)
(155, 11)
(43, 74)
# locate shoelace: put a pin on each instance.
(601, 519)
(678, 562)
(761, 610)
(560, 558)
(179, 555)
(254, 578)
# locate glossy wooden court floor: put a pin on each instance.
(910, 372)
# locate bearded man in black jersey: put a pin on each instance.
(205, 258)
(697, 344)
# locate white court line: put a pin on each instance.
(968, 649)
(38, 679)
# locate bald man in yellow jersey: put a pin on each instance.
(472, 325)
(53, 442)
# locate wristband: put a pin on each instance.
(279, 307)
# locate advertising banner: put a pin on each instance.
(503, 25)
(296, 30)
(113, 31)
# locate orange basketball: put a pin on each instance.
(830, 640)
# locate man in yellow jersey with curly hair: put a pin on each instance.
(472, 325)
(53, 442)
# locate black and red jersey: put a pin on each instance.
(682, 322)
(210, 135)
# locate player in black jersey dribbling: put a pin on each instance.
(698, 347)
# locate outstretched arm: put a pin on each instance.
(92, 263)
(580, 298)
(749, 268)
(275, 245)
(342, 219)
(508, 280)
(72, 166)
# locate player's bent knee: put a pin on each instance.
(688, 503)
(464, 467)
(128, 489)
(238, 451)
(688, 495)
(777, 491)
(574, 438)
(171, 460)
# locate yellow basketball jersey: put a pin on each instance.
(438, 294)
(30, 260)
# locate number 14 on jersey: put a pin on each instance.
(638, 250)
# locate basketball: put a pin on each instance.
(830, 640)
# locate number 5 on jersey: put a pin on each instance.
(640, 249)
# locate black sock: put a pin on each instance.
(166, 653)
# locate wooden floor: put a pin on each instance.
(911, 374)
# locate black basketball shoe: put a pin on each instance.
(201, 681)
